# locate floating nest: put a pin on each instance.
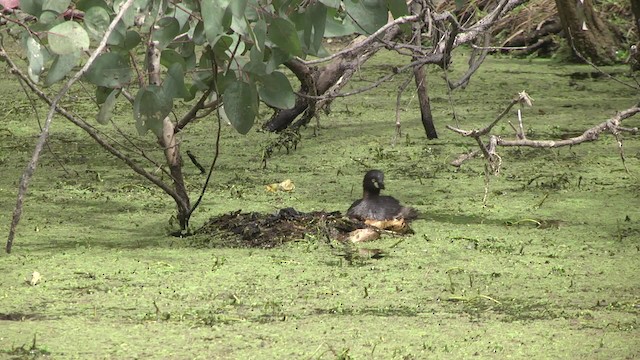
(260, 230)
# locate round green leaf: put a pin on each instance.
(368, 15)
(276, 91)
(85, 5)
(109, 70)
(106, 109)
(62, 65)
(58, 6)
(166, 30)
(33, 7)
(331, 3)
(283, 33)
(241, 105)
(97, 20)
(68, 37)
(35, 54)
(216, 16)
(173, 84)
(150, 107)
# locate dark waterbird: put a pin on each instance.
(374, 206)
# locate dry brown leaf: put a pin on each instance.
(396, 225)
(362, 235)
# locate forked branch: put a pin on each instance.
(612, 125)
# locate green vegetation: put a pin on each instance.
(548, 269)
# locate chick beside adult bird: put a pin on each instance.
(374, 206)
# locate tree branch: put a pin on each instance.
(28, 172)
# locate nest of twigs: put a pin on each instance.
(260, 230)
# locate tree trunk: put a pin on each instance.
(171, 147)
(635, 52)
(421, 82)
(327, 80)
(587, 35)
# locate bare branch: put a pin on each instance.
(522, 98)
(612, 125)
(369, 39)
(28, 172)
(591, 134)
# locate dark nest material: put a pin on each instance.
(261, 230)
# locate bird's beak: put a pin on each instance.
(378, 184)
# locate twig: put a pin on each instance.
(367, 41)
(35, 111)
(522, 98)
(589, 62)
(28, 172)
(612, 125)
(401, 89)
(216, 153)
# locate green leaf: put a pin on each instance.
(68, 37)
(50, 18)
(106, 109)
(118, 35)
(110, 70)
(62, 65)
(398, 8)
(33, 7)
(256, 63)
(368, 15)
(283, 33)
(58, 6)
(314, 31)
(166, 30)
(150, 107)
(223, 80)
(241, 105)
(217, 18)
(180, 14)
(277, 58)
(170, 57)
(331, 3)
(131, 40)
(238, 23)
(35, 54)
(102, 93)
(85, 5)
(336, 25)
(238, 8)
(276, 91)
(97, 20)
(137, 13)
(260, 34)
(173, 85)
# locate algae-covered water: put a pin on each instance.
(547, 268)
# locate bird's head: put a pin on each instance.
(373, 181)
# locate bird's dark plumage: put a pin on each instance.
(374, 206)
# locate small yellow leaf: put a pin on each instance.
(34, 278)
(286, 185)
